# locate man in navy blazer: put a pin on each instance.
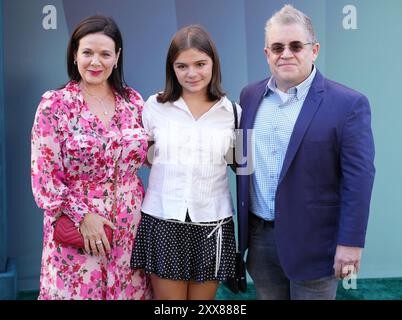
(304, 188)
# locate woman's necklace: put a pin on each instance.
(99, 99)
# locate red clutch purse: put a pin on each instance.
(67, 234)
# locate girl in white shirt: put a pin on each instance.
(186, 237)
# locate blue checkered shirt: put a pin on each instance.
(273, 126)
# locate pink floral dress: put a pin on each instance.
(76, 162)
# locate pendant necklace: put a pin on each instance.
(100, 100)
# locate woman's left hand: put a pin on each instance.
(92, 230)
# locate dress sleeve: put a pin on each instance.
(47, 171)
(136, 105)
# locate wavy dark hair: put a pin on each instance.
(107, 26)
(191, 37)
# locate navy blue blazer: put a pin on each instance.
(324, 189)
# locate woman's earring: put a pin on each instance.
(75, 62)
(115, 66)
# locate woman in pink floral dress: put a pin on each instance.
(87, 145)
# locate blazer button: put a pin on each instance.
(242, 203)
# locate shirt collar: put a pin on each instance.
(222, 103)
(300, 90)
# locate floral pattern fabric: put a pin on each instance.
(78, 166)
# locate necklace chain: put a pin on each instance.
(99, 99)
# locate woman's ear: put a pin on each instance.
(118, 56)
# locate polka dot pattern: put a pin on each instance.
(182, 251)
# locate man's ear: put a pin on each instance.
(316, 50)
(266, 52)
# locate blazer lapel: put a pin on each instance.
(309, 108)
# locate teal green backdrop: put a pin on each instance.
(359, 50)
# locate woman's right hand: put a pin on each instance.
(92, 230)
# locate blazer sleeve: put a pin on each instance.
(357, 168)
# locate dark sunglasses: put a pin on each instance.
(294, 46)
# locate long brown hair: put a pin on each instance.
(191, 37)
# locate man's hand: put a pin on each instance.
(347, 260)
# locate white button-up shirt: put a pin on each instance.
(189, 167)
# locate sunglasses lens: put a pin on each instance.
(295, 46)
(277, 48)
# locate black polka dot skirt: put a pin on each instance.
(183, 251)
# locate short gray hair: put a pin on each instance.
(289, 15)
